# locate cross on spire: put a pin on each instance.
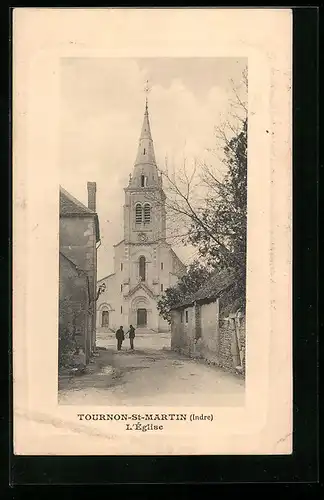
(147, 89)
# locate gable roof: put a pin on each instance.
(119, 243)
(70, 206)
(177, 258)
(106, 277)
(71, 263)
(218, 283)
(139, 285)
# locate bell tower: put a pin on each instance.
(144, 263)
(144, 208)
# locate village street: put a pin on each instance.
(150, 375)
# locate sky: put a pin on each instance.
(101, 115)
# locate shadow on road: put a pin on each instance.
(110, 368)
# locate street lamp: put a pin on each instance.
(101, 289)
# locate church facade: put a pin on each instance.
(145, 265)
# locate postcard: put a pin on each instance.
(152, 231)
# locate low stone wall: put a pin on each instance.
(228, 351)
(225, 341)
(216, 345)
(243, 341)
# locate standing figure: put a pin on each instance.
(120, 337)
(131, 336)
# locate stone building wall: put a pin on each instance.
(73, 310)
(208, 336)
(78, 243)
(183, 330)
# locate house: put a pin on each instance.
(145, 264)
(79, 240)
(210, 324)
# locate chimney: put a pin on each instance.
(92, 188)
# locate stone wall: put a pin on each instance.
(78, 243)
(209, 327)
(183, 330)
(198, 322)
(228, 352)
(225, 340)
(207, 336)
(73, 311)
(231, 324)
(176, 327)
(242, 329)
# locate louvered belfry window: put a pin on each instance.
(147, 213)
(138, 213)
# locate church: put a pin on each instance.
(145, 265)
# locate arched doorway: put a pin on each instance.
(105, 319)
(141, 312)
(141, 317)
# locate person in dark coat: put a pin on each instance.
(120, 337)
(131, 336)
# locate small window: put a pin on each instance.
(144, 150)
(186, 316)
(143, 181)
(142, 268)
(161, 287)
(121, 288)
(121, 309)
(161, 266)
(181, 316)
(121, 266)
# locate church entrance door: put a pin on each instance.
(141, 317)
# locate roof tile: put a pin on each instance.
(213, 288)
(70, 205)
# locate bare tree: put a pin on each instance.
(206, 205)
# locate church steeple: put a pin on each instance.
(145, 172)
(145, 151)
(144, 209)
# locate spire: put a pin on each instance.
(145, 152)
(145, 173)
(147, 90)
